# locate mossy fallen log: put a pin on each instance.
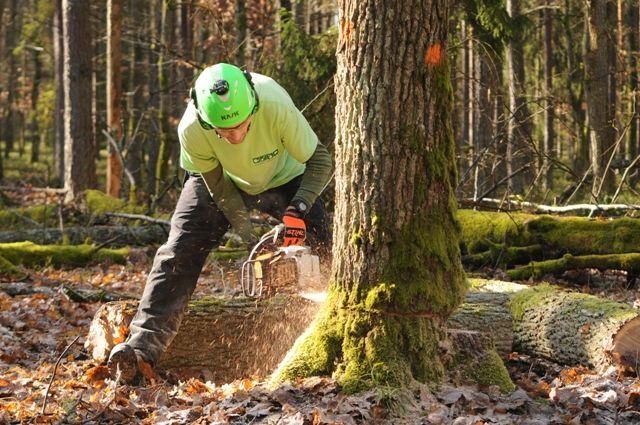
(231, 337)
(573, 328)
(566, 327)
(536, 269)
(488, 238)
(113, 235)
(29, 254)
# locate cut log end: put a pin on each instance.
(626, 346)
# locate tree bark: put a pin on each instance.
(396, 275)
(80, 150)
(114, 95)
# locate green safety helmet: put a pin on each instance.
(224, 96)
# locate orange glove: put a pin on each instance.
(295, 230)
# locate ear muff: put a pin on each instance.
(192, 95)
(247, 75)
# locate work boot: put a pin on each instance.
(123, 358)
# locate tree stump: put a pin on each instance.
(231, 337)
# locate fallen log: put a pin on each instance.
(506, 240)
(531, 207)
(536, 269)
(238, 337)
(233, 338)
(565, 327)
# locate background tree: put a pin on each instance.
(114, 95)
(80, 168)
(58, 60)
(396, 273)
(597, 84)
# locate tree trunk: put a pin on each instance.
(165, 147)
(634, 47)
(241, 32)
(596, 65)
(153, 142)
(396, 276)
(80, 150)
(35, 94)
(58, 113)
(114, 95)
(519, 152)
(233, 338)
(9, 116)
(549, 116)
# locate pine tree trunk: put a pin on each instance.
(153, 95)
(114, 95)
(596, 64)
(549, 116)
(58, 59)
(80, 151)
(8, 132)
(396, 274)
(519, 127)
(35, 94)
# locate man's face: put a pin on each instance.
(235, 135)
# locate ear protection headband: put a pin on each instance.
(221, 87)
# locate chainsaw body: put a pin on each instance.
(289, 269)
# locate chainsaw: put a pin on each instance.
(271, 269)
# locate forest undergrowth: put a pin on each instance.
(46, 376)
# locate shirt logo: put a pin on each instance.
(265, 157)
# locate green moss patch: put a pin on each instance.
(17, 218)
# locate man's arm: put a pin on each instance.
(318, 172)
(228, 199)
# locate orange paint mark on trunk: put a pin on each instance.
(346, 27)
(433, 56)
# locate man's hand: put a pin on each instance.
(295, 231)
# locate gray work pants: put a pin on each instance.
(197, 226)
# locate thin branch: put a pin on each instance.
(114, 145)
(140, 217)
(504, 179)
(53, 375)
(624, 176)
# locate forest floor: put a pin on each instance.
(46, 377)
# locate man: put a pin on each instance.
(244, 145)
